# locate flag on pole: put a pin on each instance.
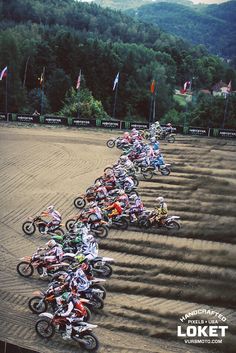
(229, 87)
(41, 78)
(78, 81)
(116, 81)
(3, 73)
(152, 87)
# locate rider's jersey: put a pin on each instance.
(162, 209)
(56, 216)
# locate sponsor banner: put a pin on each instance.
(25, 118)
(109, 124)
(55, 120)
(199, 131)
(3, 116)
(227, 133)
(83, 122)
(139, 126)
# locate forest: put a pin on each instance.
(46, 44)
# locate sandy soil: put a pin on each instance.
(158, 276)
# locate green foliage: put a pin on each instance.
(213, 26)
(81, 103)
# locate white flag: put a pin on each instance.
(116, 81)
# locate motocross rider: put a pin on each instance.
(101, 192)
(52, 255)
(160, 212)
(54, 214)
(70, 313)
(136, 207)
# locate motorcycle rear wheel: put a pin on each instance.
(44, 328)
(165, 171)
(28, 228)
(173, 225)
(91, 342)
(147, 174)
(25, 269)
(58, 231)
(100, 231)
(79, 202)
(122, 224)
(34, 305)
(170, 139)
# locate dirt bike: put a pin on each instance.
(81, 201)
(98, 227)
(29, 227)
(167, 136)
(40, 302)
(48, 324)
(164, 169)
(116, 221)
(145, 171)
(117, 142)
(28, 264)
(170, 222)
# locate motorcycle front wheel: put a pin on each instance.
(79, 202)
(110, 143)
(70, 224)
(25, 269)
(28, 228)
(37, 305)
(44, 328)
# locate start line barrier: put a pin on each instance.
(113, 124)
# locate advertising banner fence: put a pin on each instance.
(83, 122)
(114, 124)
(25, 118)
(55, 120)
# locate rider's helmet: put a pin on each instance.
(153, 139)
(98, 184)
(51, 243)
(160, 199)
(157, 124)
(108, 173)
(169, 125)
(51, 208)
(123, 159)
(80, 258)
(65, 297)
(121, 192)
(133, 197)
(126, 134)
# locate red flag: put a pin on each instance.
(152, 87)
(78, 81)
(3, 73)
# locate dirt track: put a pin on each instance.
(157, 277)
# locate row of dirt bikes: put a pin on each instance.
(70, 260)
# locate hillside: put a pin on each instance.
(213, 26)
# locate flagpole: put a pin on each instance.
(6, 102)
(42, 89)
(78, 93)
(225, 111)
(114, 107)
